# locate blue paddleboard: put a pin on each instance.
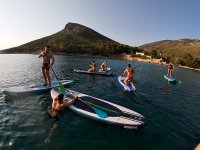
(34, 89)
(171, 80)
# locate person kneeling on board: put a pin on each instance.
(129, 71)
(59, 103)
(103, 66)
(93, 67)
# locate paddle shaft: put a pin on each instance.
(62, 88)
(54, 73)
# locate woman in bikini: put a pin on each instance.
(129, 71)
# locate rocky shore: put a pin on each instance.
(154, 61)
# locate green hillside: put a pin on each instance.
(74, 38)
(184, 51)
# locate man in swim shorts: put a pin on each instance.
(47, 63)
(59, 103)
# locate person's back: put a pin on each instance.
(129, 71)
(93, 67)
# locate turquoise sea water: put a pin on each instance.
(173, 111)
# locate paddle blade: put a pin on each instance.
(62, 88)
(100, 113)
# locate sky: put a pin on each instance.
(130, 22)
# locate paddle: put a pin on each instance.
(136, 66)
(100, 113)
(133, 90)
(62, 88)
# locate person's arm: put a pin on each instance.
(124, 71)
(68, 103)
(53, 103)
(41, 54)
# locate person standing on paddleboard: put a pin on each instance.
(170, 70)
(47, 63)
(129, 71)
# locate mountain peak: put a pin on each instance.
(74, 27)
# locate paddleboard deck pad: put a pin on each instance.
(94, 73)
(34, 89)
(116, 114)
(128, 87)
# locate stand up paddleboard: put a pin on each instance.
(128, 87)
(102, 110)
(34, 89)
(170, 80)
(104, 73)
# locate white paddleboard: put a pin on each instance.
(93, 73)
(128, 87)
(115, 114)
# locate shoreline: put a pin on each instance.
(155, 61)
(121, 57)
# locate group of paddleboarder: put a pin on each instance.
(60, 102)
(93, 66)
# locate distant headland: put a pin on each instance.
(78, 39)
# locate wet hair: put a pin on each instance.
(60, 98)
(93, 61)
(129, 65)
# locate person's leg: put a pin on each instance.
(48, 78)
(126, 80)
(44, 75)
(104, 68)
(131, 79)
(170, 73)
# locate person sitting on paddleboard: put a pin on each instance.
(103, 66)
(47, 62)
(129, 71)
(170, 70)
(59, 103)
(93, 67)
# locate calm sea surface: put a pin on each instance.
(173, 111)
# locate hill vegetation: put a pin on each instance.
(75, 38)
(184, 52)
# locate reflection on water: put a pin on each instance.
(172, 110)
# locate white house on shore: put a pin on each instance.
(139, 53)
(142, 54)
